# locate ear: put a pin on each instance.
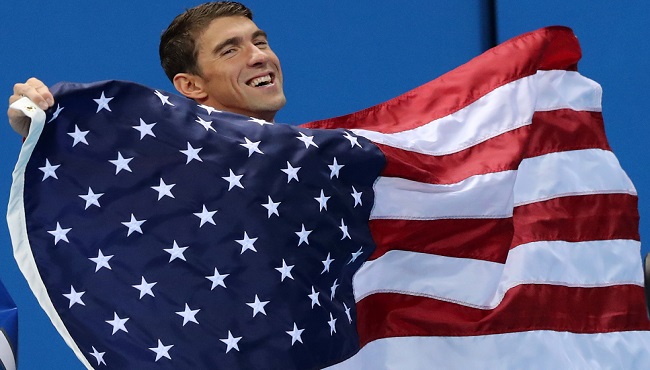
(190, 85)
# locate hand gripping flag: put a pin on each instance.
(478, 221)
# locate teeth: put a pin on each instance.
(260, 80)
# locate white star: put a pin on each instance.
(145, 288)
(78, 136)
(49, 170)
(59, 108)
(207, 125)
(335, 168)
(209, 109)
(272, 207)
(357, 197)
(206, 216)
(188, 315)
(121, 163)
(356, 255)
(118, 323)
(260, 121)
(102, 103)
(91, 198)
(231, 342)
(99, 356)
(347, 312)
(303, 235)
(332, 324)
(253, 147)
(192, 153)
(307, 140)
(145, 129)
(217, 279)
(247, 243)
(161, 351)
(292, 172)
(74, 297)
(285, 271)
(326, 264)
(344, 230)
(133, 225)
(258, 306)
(314, 297)
(322, 200)
(333, 289)
(101, 261)
(176, 252)
(60, 233)
(164, 189)
(295, 334)
(233, 180)
(353, 140)
(164, 99)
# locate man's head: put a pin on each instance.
(216, 55)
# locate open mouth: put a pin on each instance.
(261, 81)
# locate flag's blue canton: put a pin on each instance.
(173, 236)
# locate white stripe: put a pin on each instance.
(504, 109)
(576, 264)
(483, 284)
(7, 357)
(460, 280)
(560, 89)
(480, 196)
(577, 172)
(553, 175)
(524, 350)
(17, 224)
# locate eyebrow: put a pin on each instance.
(259, 33)
(233, 41)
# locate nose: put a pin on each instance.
(257, 56)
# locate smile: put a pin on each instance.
(261, 81)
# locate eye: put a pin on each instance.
(261, 43)
(227, 51)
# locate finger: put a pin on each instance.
(42, 89)
(13, 98)
(36, 91)
(34, 88)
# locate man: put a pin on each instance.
(217, 56)
(214, 54)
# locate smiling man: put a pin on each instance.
(214, 54)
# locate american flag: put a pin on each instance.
(161, 234)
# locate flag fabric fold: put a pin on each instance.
(478, 221)
(506, 230)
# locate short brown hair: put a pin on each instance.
(178, 50)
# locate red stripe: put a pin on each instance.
(500, 153)
(524, 308)
(573, 219)
(549, 48)
(552, 131)
(484, 239)
(563, 130)
(578, 218)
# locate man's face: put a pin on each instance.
(239, 71)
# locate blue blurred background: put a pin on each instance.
(337, 57)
